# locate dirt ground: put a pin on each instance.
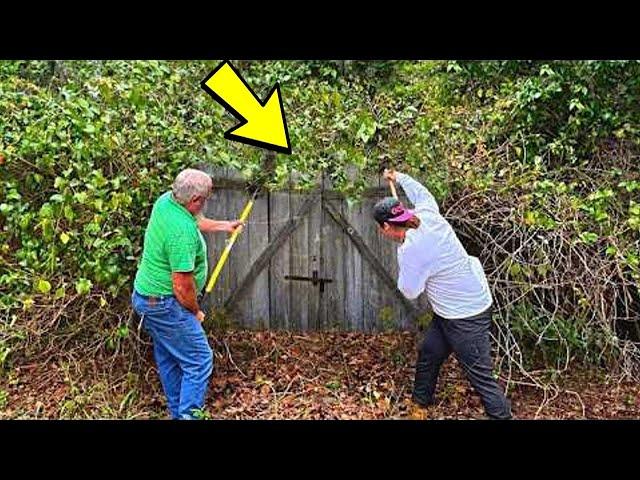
(283, 375)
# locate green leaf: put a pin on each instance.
(600, 216)
(529, 217)
(367, 130)
(543, 269)
(27, 303)
(59, 182)
(588, 237)
(123, 331)
(43, 286)
(515, 269)
(68, 213)
(83, 286)
(59, 293)
(64, 238)
(46, 211)
(80, 197)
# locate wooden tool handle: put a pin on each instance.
(392, 186)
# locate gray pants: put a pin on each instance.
(469, 338)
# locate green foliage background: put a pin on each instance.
(549, 149)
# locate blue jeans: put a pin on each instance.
(181, 351)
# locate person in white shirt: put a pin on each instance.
(432, 259)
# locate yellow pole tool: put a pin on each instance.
(225, 253)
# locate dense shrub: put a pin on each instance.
(535, 163)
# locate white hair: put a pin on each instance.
(190, 183)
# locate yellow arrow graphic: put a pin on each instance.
(263, 124)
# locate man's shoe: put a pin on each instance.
(421, 401)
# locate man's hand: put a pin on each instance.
(184, 288)
(389, 174)
(232, 225)
(200, 316)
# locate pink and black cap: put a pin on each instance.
(391, 210)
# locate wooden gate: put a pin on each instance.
(305, 261)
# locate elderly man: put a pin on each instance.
(172, 271)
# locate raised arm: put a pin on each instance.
(417, 193)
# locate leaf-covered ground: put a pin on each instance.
(283, 375)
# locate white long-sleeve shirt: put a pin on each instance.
(432, 258)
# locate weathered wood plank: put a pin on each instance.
(279, 216)
(238, 264)
(334, 245)
(315, 298)
(216, 208)
(353, 271)
(267, 254)
(299, 263)
(257, 231)
(372, 287)
(369, 256)
(386, 252)
(354, 301)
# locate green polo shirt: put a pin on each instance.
(172, 243)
